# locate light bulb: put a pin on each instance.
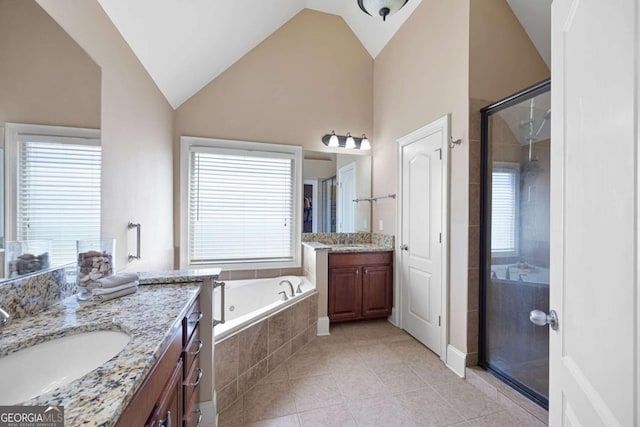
(333, 140)
(351, 143)
(364, 144)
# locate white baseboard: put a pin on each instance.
(209, 415)
(456, 361)
(323, 326)
(393, 319)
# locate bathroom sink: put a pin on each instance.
(46, 366)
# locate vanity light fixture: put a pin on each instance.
(364, 143)
(333, 140)
(383, 8)
(350, 142)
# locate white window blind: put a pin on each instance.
(504, 210)
(58, 195)
(241, 206)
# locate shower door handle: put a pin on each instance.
(540, 318)
(220, 285)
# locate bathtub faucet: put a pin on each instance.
(284, 295)
(290, 287)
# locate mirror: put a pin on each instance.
(332, 181)
(46, 78)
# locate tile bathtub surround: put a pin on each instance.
(367, 373)
(250, 355)
(26, 296)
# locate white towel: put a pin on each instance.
(113, 295)
(106, 291)
(116, 280)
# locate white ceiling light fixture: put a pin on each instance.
(383, 8)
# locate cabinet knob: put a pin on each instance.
(404, 247)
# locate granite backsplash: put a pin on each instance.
(29, 295)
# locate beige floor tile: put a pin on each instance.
(398, 378)
(306, 365)
(466, 399)
(325, 417)
(498, 419)
(427, 408)
(360, 384)
(380, 411)
(286, 421)
(378, 354)
(433, 372)
(266, 401)
(315, 392)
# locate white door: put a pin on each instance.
(421, 230)
(594, 213)
(346, 195)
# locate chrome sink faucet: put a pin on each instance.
(4, 318)
(290, 287)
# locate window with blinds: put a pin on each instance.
(241, 206)
(504, 209)
(58, 193)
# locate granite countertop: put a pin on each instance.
(149, 317)
(178, 276)
(358, 247)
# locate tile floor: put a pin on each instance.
(365, 374)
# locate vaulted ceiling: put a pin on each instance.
(185, 44)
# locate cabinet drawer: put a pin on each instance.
(193, 418)
(191, 320)
(192, 350)
(192, 383)
(168, 410)
(359, 259)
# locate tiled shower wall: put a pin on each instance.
(246, 357)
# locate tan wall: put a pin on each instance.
(420, 76)
(45, 77)
(502, 58)
(137, 138)
(309, 77)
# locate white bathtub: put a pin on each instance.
(247, 301)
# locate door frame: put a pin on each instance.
(339, 199)
(442, 124)
(485, 233)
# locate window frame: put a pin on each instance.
(187, 144)
(13, 134)
(512, 167)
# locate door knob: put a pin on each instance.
(540, 318)
(404, 247)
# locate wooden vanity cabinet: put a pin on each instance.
(192, 369)
(170, 393)
(360, 285)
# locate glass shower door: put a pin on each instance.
(515, 234)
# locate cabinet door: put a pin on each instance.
(345, 293)
(377, 291)
(168, 412)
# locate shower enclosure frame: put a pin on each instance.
(485, 233)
